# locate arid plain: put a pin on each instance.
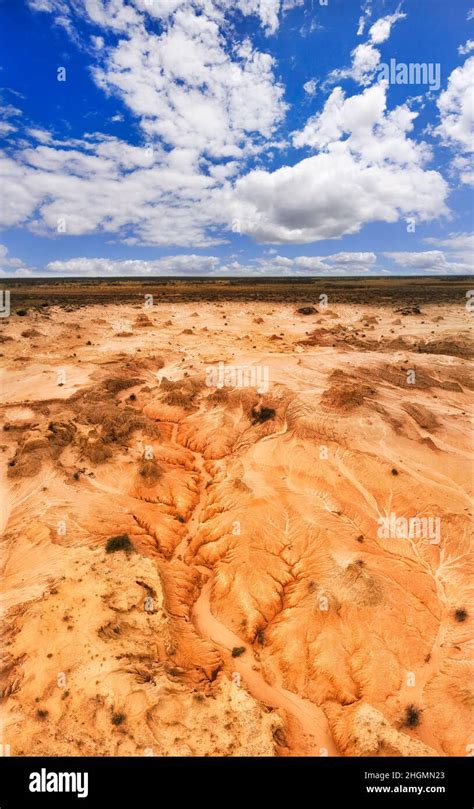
(190, 569)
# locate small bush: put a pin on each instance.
(237, 651)
(118, 718)
(259, 416)
(460, 615)
(412, 716)
(119, 543)
(41, 714)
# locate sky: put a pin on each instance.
(236, 137)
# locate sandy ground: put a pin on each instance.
(257, 610)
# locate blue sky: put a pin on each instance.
(236, 137)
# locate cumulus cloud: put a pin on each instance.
(458, 248)
(367, 169)
(364, 18)
(429, 261)
(365, 57)
(169, 265)
(191, 91)
(107, 185)
(10, 266)
(380, 30)
(466, 48)
(455, 241)
(456, 108)
(456, 128)
(310, 87)
(206, 104)
(344, 263)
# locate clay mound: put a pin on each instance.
(422, 415)
(36, 447)
(142, 321)
(408, 310)
(116, 384)
(60, 435)
(461, 347)
(149, 471)
(97, 451)
(345, 397)
(27, 464)
(31, 333)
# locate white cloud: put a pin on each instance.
(463, 167)
(367, 170)
(189, 90)
(459, 247)
(121, 16)
(456, 128)
(310, 86)
(429, 261)
(189, 265)
(364, 17)
(366, 58)
(455, 241)
(466, 48)
(169, 265)
(207, 104)
(10, 265)
(6, 128)
(380, 30)
(109, 186)
(456, 108)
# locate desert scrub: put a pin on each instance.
(118, 718)
(264, 414)
(412, 716)
(119, 543)
(237, 651)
